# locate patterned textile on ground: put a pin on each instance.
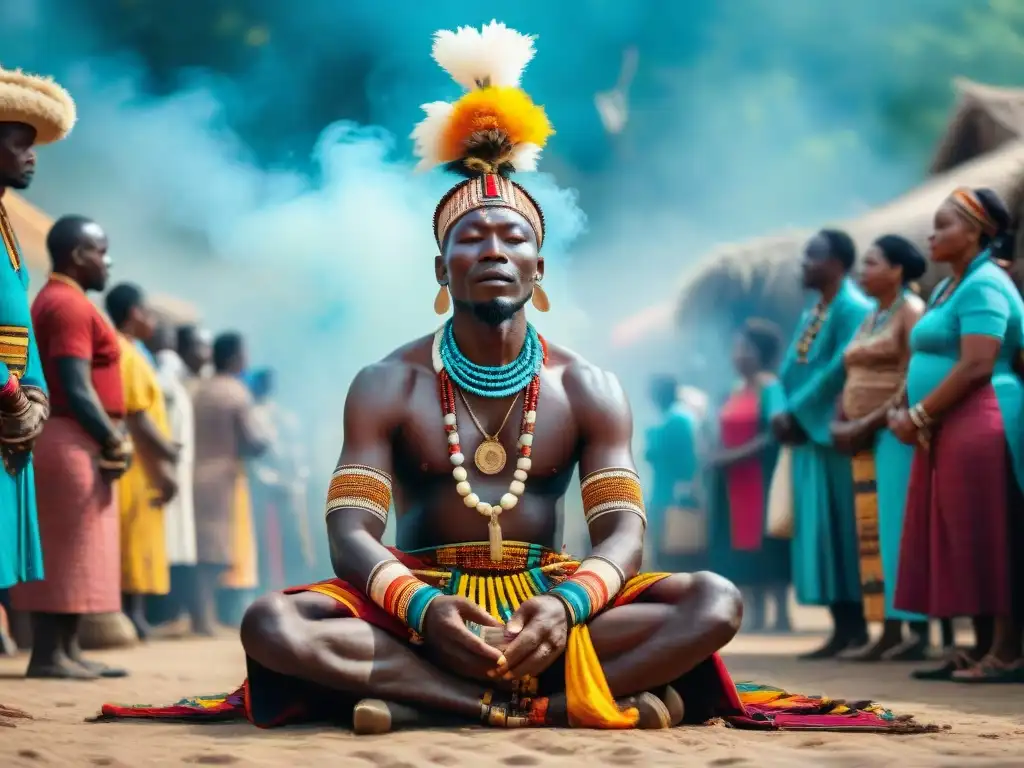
(764, 708)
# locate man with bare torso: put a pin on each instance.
(476, 614)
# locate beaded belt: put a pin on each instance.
(525, 570)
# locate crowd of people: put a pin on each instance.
(148, 469)
(885, 443)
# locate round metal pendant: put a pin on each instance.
(490, 457)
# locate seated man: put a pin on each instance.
(477, 611)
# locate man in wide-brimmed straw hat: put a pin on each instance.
(33, 110)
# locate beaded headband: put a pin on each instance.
(487, 191)
(970, 206)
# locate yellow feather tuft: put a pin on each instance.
(506, 109)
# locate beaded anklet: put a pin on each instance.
(527, 712)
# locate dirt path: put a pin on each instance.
(987, 723)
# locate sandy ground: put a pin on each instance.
(987, 724)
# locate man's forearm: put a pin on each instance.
(614, 511)
(84, 403)
(149, 438)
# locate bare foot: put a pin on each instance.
(173, 629)
(372, 717)
(98, 668)
(7, 644)
(60, 669)
(673, 703)
(654, 714)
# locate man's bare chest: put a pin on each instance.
(421, 445)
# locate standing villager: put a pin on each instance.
(962, 552)
(195, 348)
(179, 512)
(825, 560)
(33, 111)
(150, 483)
(82, 451)
(876, 368)
(740, 473)
(226, 434)
(278, 480)
(674, 512)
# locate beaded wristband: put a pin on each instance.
(355, 486)
(393, 587)
(10, 386)
(919, 416)
(596, 582)
(612, 490)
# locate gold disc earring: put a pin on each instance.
(442, 302)
(540, 296)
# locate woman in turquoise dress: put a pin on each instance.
(673, 508)
(739, 473)
(963, 549)
(876, 369)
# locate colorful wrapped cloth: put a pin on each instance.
(865, 504)
(268, 699)
(79, 524)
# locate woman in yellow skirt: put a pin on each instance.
(149, 484)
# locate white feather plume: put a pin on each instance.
(427, 134)
(525, 157)
(494, 54)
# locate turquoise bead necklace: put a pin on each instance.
(492, 381)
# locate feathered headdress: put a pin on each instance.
(36, 101)
(494, 130)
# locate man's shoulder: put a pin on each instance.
(58, 300)
(393, 376)
(856, 301)
(588, 387)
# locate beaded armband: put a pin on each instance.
(596, 582)
(393, 587)
(611, 490)
(354, 486)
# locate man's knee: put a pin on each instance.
(269, 629)
(720, 600)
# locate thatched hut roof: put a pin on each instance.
(31, 225)
(760, 276)
(986, 117)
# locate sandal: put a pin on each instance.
(992, 670)
(957, 662)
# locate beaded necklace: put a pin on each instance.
(811, 331)
(9, 240)
(489, 381)
(446, 391)
(881, 318)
